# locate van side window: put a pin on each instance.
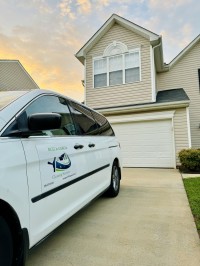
(53, 104)
(84, 122)
(105, 128)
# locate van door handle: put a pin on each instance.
(91, 145)
(78, 146)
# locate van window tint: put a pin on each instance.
(53, 104)
(105, 128)
(84, 122)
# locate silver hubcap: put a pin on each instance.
(115, 178)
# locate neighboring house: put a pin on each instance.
(14, 77)
(14, 80)
(153, 107)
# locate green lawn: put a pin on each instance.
(192, 187)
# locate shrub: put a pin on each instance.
(190, 159)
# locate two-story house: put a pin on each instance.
(153, 107)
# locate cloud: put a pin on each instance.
(66, 9)
(40, 5)
(84, 6)
(168, 5)
(71, 8)
(103, 2)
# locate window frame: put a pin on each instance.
(138, 50)
(71, 108)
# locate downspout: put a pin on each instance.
(153, 83)
(85, 81)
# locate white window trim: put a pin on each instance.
(123, 48)
(174, 144)
(188, 127)
(123, 64)
(153, 78)
(85, 84)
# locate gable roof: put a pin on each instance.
(184, 51)
(13, 76)
(152, 37)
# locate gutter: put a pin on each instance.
(146, 107)
(160, 38)
(159, 61)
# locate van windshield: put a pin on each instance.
(6, 97)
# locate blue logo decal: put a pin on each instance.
(61, 163)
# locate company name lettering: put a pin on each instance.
(57, 148)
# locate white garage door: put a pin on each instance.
(146, 144)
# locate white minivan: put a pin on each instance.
(56, 156)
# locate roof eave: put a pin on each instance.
(184, 51)
(147, 107)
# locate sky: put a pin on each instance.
(45, 34)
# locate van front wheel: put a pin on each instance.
(6, 244)
(114, 187)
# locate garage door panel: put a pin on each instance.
(159, 145)
(150, 148)
(149, 162)
(146, 155)
(146, 144)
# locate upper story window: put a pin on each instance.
(117, 66)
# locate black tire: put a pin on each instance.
(114, 187)
(6, 244)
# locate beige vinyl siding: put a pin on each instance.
(14, 77)
(184, 74)
(132, 93)
(180, 130)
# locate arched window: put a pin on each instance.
(117, 66)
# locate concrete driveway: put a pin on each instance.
(149, 223)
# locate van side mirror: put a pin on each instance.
(44, 121)
(24, 125)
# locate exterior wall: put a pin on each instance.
(180, 131)
(184, 74)
(14, 77)
(180, 127)
(133, 93)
